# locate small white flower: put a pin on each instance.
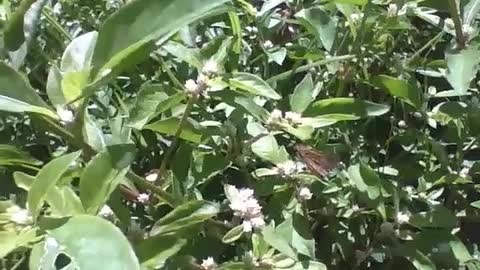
(402, 124)
(245, 206)
(464, 172)
(293, 117)
(403, 217)
(106, 212)
(287, 168)
(392, 10)
(19, 215)
(305, 194)
(209, 264)
(57, 9)
(210, 67)
(275, 117)
(449, 23)
(51, 244)
(432, 90)
(355, 208)
(468, 29)
(65, 115)
(356, 17)
(191, 86)
(143, 198)
(152, 177)
(268, 44)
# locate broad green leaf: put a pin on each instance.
(186, 215)
(296, 231)
(415, 256)
(252, 108)
(16, 94)
(13, 34)
(470, 11)
(190, 55)
(355, 2)
(439, 217)
(151, 101)
(141, 22)
(268, 149)
(365, 180)
(156, 250)
(191, 130)
(233, 235)
(347, 108)
(253, 85)
(54, 87)
(476, 204)
(62, 199)
(103, 174)
(321, 24)
(78, 54)
(303, 95)
(11, 155)
(92, 243)
(11, 240)
(399, 88)
(462, 67)
(271, 236)
(46, 180)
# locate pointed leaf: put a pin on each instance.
(253, 84)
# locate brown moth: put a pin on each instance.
(319, 163)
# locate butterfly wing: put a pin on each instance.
(319, 163)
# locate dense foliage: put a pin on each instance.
(236, 134)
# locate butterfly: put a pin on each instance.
(319, 163)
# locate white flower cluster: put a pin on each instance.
(305, 194)
(289, 167)
(209, 264)
(19, 215)
(292, 118)
(65, 115)
(246, 207)
(143, 198)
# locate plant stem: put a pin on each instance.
(171, 150)
(306, 67)
(461, 42)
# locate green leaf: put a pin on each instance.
(271, 236)
(13, 33)
(191, 131)
(296, 231)
(252, 84)
(268, 149)
(11, 155)
(78, 54)
(91, 243)
(354, 2)
(62, 199)
(191, 56)
(399, 88)
(156, 250)
(365, 180)
(151, 101)
(11, 240)
(470, 11)
(141, 22)
(462, 67)
(439, 217)
(233, 235)
(347, 108)
(319, 22)
(46, 180)
(103, 174)
(16, 94)
(303, 95)
(252, 108)
(54, 87)
(476, 204)
(186, 215)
